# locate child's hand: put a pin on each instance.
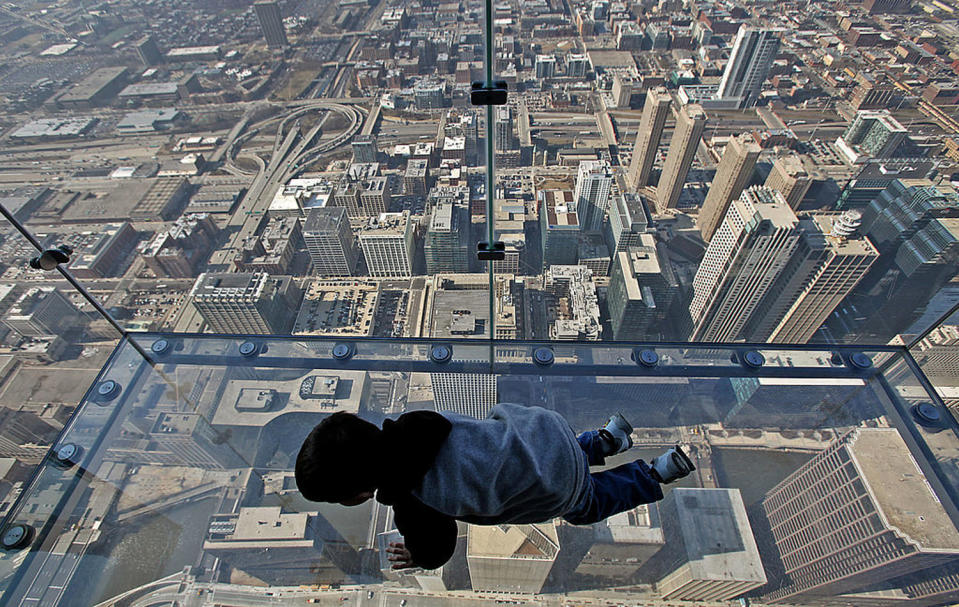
(401, 557)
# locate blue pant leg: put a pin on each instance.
(617, 490)
(592, 446)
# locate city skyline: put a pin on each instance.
(735, 223)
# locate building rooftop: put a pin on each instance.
(716, 535)
(900, 489)
(193, 50)
(93, 84)
(459, 312)
(146, 89)
(560, 208)
(386, 224)
(337, 307)
(539, 541)
(640, 525)
(54, 127)
(292, 397)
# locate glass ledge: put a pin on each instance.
(825, 476)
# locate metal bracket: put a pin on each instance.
(480, 94)
(51, 258)
(485, 252)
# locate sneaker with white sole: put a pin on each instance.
(672, 465)
(616, 434)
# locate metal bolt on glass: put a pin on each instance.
(753, 359)
(249, 349)
(343, 351)
(106, 391)
(860, 360)
(543, 356)
(646, 357)
(441, 353)
(16, 536)
(160, 346)
(67, 455)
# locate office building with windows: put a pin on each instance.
(757, 238)
(593, 182)
(859, 514)
(148, 51)
(545, 66)
(642, 290)
(655, 112)
(872, 134)
(387, 244)
(511, 558)
(733, 174)
(628, 218)
(503, 129)
(271, 22)
(841, 257)
(246, 303)
(447, 240)
(43, 311)
(710, 553)
(754, 51)
(789, 177)
(330, 242)
(682, 150)
(559, 227)
(364, 149)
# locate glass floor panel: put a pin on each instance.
(823, 477)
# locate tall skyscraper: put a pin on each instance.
(621, 544)
(447, 240)
(387, 243)
(790, 178)
(545, 66)
(577, 65)
(682, 149)
(733, 174)
(281, 548)
(756, 239)
(710, 552)
(628, 218)
(511, 558)
(559, 227)
(642, 290)
(592, 193)
(842, 258)
(913, 225)
(938, 353)
(859, 514)
(754, 51)
(460, 309)
(503, 129)
(43, 311)
(364, 149)
(185, 439)
(246, 303)
(148, 51)
(268, 14)
(655, 113)
(471, 394)
(330, 242)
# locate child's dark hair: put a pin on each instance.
(338, 459)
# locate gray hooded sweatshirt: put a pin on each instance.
(520, 465)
